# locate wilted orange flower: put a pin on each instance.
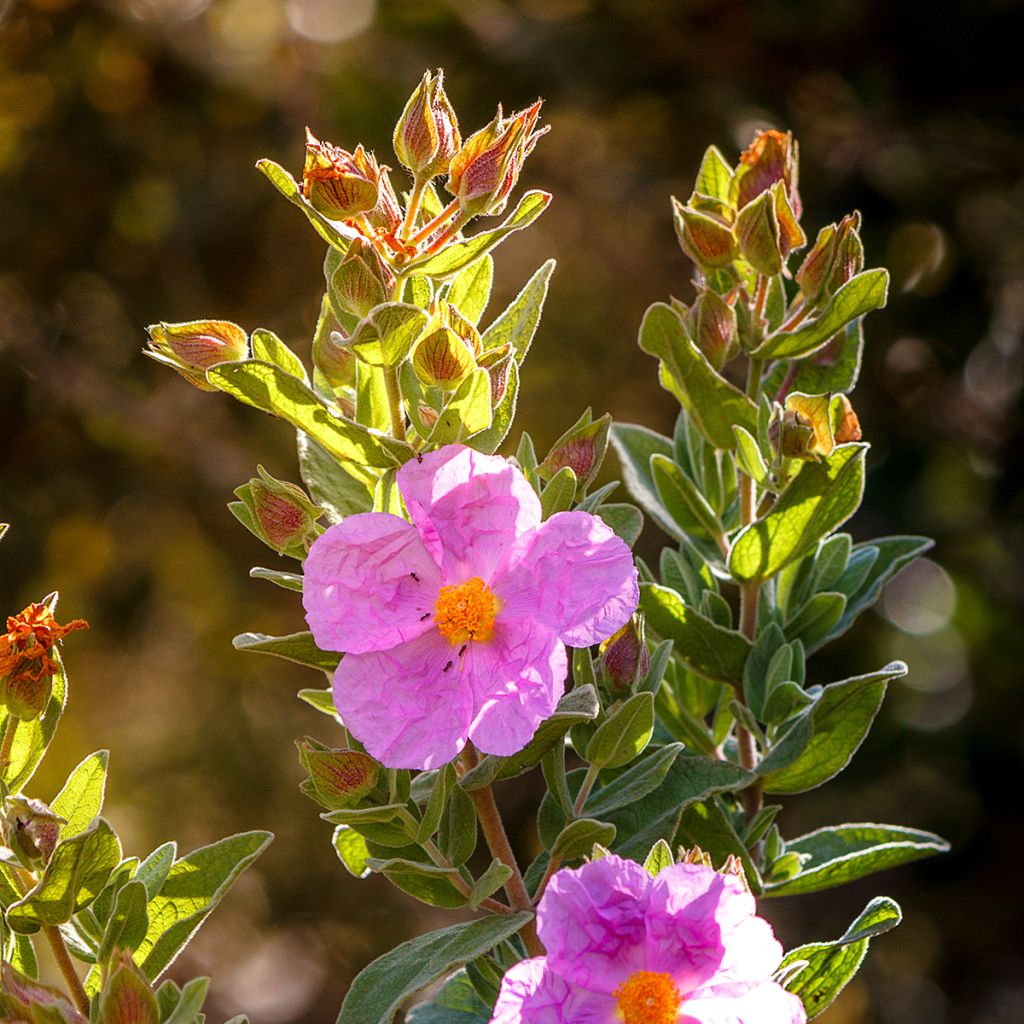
(26, 661)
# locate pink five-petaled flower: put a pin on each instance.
(454, 625)
(685, 947)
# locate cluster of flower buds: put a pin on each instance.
(281, 514)
(27, 662)
(191, 348)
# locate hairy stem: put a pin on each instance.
(588, 785)
(492, 906)
(431, 226)
(415, 197)
(497, 842)
(67, 969)
(10, 728)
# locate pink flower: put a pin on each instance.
(454, 625)
(685, 947)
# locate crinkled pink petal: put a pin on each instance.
(764, 1003)
(592, 920)
(702, 928)
(532, 994)
(468, 507)
(517, 678)
(409, 706)
(574, 575)
(369, 584)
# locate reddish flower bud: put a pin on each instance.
(497, 362)
(582, 448)
(337, 778)
(193, 347)
(845, 424)
(334, 358)
(772, 156)
(713, 323)
(363, 280)
(486, 168)
(126, 996)
(31, 828)
(427, 133)
(282, 514)
(339, 184)
(757, 231)
(27, 664)
(624, 660)
(705, 233)
(836, 256)
(20, 995)
(386, 216)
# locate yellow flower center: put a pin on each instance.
(466, 611)
(648, 997)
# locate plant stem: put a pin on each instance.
(497, 842)
(429, 228)
(588, 785)
(10, 728)
(394, 402)
(493, 906)
(415, 197)
(67, 968)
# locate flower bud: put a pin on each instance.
(835, 257)
(452, 318)
(27, 664)
(582, 448)
(623, 659)
(334, 358)
(713, 323)
(791, 235)
(386, 216)
(427, 133)
(192, 348)
(497, 361)
(337, 778)
(845, 424)
(31, 828)
(772, 156)
(757, 231)
(442, 359)
(706, 236)
(126, 996)
(428, 415)
(362, 280)
(282, 514)
(21, 996)
(486, 168)
(339, 184)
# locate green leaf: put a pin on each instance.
(624, 520)
(839, 719)
(713, 404)
(193, 887)
(273, 391)
(284, 580)
(190, 1002)
(579, 705)
(843, 853)
(489, 440)
(715, 176)
(577, 839)
(443, 782)
(351, 849)
(129, 922)
(821, 498)
(517, 325)
(458, 1002)
(635, 447)
(559, 493)
(705, 648)
(373, 410)
(634, 784)
(297, 647)
(624, 734)
(680, 495)
(496, 875)
(749, 457)
(457, 255)
(818, 972)
(834, 368)
(380, 989)
(427, 883)
(31, 738)
(289, 188)
(387, 334)
(81, 798)
(471, 288)
(659, 858)
(709, 826)
(343, 490)
(691, 779)
(457, 836)
(755, 672)
(861, 294)
(817, 618)
(269, 348)
(322, 700)
(153, 871)
(77, 871)
(467, 412)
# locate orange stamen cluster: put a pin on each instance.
(466, 611)
(648, 997)
(25, 647)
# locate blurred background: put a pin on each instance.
(128, 134)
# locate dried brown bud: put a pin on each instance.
(772, 156)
